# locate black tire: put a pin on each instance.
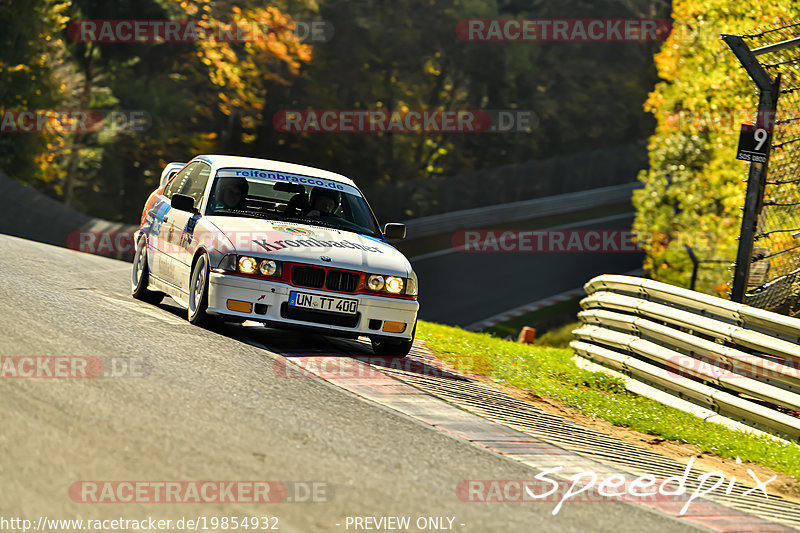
(198, 293)
(389, 348)
(140, 276)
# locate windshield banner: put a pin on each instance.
(283, 176)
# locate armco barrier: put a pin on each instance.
(741, 362)
(482, 217)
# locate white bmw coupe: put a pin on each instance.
(287, 245)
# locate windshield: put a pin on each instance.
(282, 196)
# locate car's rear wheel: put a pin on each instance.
(392, 348)
(140, 276)
(198, 292)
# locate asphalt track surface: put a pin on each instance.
(208, 405)
(463, 288)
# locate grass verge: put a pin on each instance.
(550, 372)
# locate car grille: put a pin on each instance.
(339, 280)
(304, 276)
(316, 278)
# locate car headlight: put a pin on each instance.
(267, 267)
(375, 283)
(394, 285)
(247, 265)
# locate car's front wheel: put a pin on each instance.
(198, 292)
(393, 348)
(140, 276)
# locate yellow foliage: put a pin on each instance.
(694, 186)
(240, 69)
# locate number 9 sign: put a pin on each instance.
(752, 144)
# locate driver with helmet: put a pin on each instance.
(324, 202)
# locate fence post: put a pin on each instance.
(695, 266)
(767, 107)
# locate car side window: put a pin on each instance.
(196, 184)
(180, 180)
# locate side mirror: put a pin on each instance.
(395, 231)
(182, 202)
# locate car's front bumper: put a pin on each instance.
(269, 304)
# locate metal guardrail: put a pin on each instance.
(511, 212)
(737, 360)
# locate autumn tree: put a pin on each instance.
(695, 187)
(31, 64)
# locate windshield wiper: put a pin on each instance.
(309, 221)
(238, 213)
(325, 224)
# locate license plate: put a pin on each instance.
(323, 303)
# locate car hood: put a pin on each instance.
(304, 243)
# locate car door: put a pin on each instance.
(183, 224)
(164, 228)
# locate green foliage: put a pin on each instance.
(193, 94)
(31, 52)
(221, 97)
(695, 186)
(405, 54)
